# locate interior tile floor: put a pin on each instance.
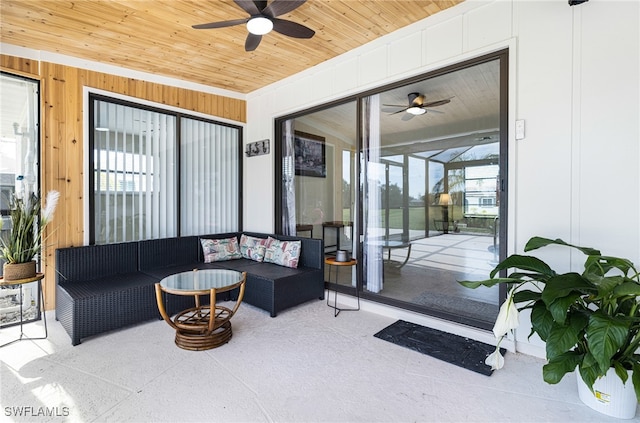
(427, 274)
(305, 365)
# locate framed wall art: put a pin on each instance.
(310, 156)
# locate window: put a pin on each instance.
(487, 202)
(158, 174)
(19, 176)
(209, 177)
(19, 139)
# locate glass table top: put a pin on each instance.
(201, 280)
(388, 243)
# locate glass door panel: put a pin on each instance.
(431, 201)
(319, 181)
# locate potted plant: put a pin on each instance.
(24, 240)
(590, 321)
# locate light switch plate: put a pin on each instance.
(519, 129)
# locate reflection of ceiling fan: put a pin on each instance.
(263, 19)
(417, 106)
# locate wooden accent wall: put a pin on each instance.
(62, 144)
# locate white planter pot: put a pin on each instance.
(610, 396)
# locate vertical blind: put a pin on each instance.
(134, 170)
(209, 184)
(139, 189)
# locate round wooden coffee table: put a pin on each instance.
(204, 326)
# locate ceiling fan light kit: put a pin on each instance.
(262, 19)
(416, 111)
(259, 25)
(417, 106)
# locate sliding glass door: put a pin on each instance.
(429, 158)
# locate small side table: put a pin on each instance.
(331, 261)
(38, 277)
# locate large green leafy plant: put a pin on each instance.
(589, 320)
(28, 221)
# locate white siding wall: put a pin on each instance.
(574, 78)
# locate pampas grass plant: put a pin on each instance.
(24, 241)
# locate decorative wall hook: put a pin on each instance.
(257, 148)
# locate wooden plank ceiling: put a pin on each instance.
(155, 36)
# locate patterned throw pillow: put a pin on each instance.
(253, 248)
(220, 249)
(283, 253)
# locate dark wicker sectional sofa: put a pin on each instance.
(104, 287)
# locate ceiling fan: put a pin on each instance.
(417, 106)
(262, 19)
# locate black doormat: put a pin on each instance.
(454, 349)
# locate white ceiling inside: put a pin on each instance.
(471, 117)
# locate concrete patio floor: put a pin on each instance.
(303, 366)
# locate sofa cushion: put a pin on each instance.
(275, 272)
(112, 283)
(95, 261)
(241, 265)
(253, 248)
(220, 249)
(165, 252)
(282, 253)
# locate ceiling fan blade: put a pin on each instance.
(390, 110)
(222, 24)
(396, 105)
(437, 102)
(252, 42)
(407, 116)
(292, 29)
(434, 111)
(248, 6)
(399, 111)
(280, 7)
